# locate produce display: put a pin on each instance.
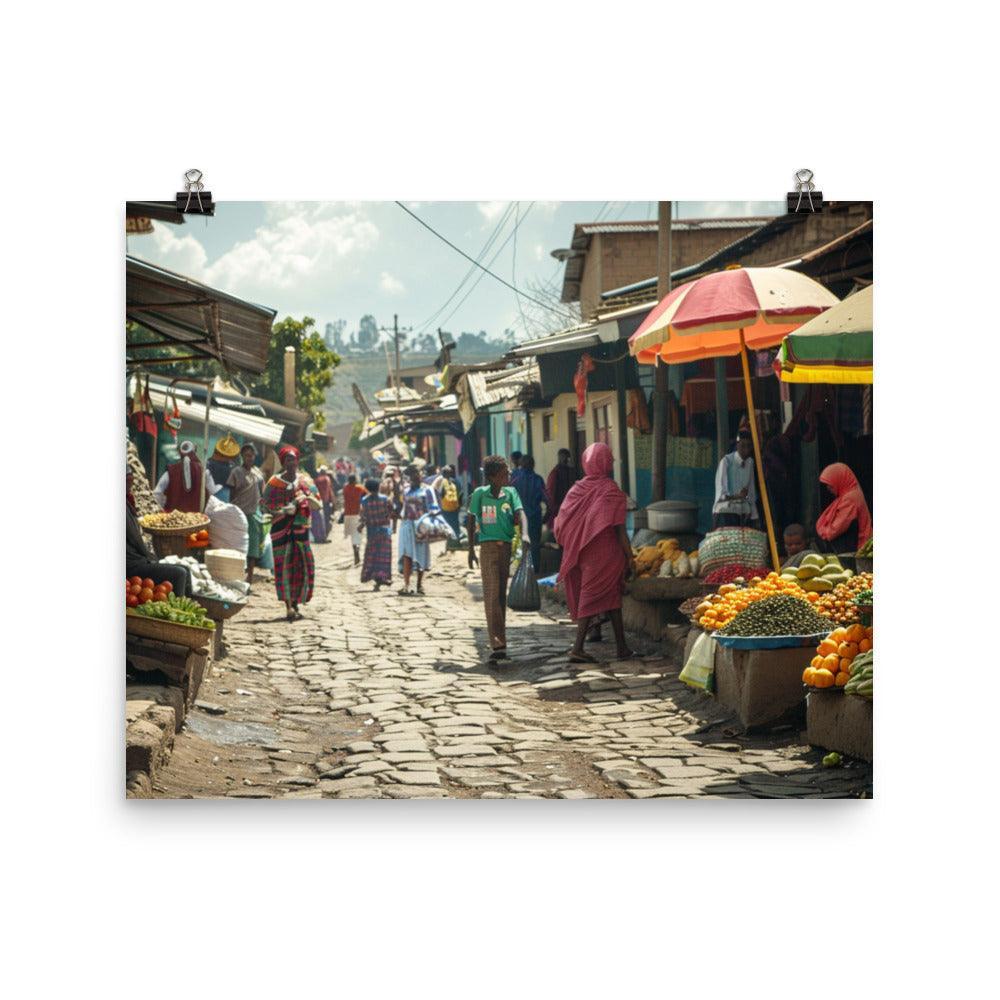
(777, 614)
(139, 591)
(204, 585)
(818, 574)
(173, 519)
(836, 656)
(720, 608)
(665, 558)
(198, 539)
(866, 596)
(867, 551)
(179, 610)
(862, 676)
(734, 572)
(839, 604)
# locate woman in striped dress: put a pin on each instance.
(291, 497)
(377, 513)
(415, 554)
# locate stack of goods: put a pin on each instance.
(139, 591)
(141, 493)
(818, 574)
(862, 676)
(173, 519)
(204, 585)
(735, 573)
(179, 610)
(732, 546)
(840, 603)
(718, 609)
(778, 614)
(836, 655)
(665, 558)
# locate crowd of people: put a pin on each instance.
(582, 511)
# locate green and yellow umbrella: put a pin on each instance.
(833, 348)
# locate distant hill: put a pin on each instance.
(370, 372)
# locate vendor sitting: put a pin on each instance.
(797, 546)
(179, 487)
(139, 561)
(735, 486)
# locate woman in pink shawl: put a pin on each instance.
(596, 555)
(846, 524)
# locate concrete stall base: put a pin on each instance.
(841, 722)
(761, 686)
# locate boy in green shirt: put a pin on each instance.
(496, 508)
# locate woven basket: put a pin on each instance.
(156, 628)
(219, 610)
(158, 532)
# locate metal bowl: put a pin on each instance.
(678, 516)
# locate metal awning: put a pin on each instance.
(203, 321)
(247, 425)
(565, 340)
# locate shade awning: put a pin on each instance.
(246, 425)
(189, 315)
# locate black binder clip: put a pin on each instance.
(196, 200)
(806, 198)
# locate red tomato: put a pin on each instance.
(159, 595)
(145, 595)
(136, 581)
(132, 601)
(136, 588)
(148, 584)
(202, 535)
(167, 586)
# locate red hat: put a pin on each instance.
(286, 450)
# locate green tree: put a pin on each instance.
(314, 366)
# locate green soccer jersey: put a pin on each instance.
(495, 515)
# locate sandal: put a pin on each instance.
(581, 657)
(499, 654)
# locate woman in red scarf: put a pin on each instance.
(847, 523)
(597, 556)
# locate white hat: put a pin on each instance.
(186, 448)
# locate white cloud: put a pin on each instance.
(300, 244)
(539, 252)
(390, 285)
(183, 254)
(491, 209)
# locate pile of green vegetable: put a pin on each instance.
(865, 597)
(867, 551)
(780, 614)
(862, 675)
(179, 610)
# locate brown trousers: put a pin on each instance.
(494, 565)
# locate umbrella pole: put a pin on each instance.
(757, 457)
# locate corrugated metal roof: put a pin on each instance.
(190, 314)
(677, 225)
(245, 424)
(583, 335)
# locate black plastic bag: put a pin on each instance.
(523, 594)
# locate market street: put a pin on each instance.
(380, 695)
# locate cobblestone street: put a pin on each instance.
(385, 696)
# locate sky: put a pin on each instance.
(341, 260)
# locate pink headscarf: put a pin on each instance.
(848, 507)
(591, 505)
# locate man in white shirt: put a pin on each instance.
(735, 486)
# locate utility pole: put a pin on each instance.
(660, 390)
(396, 331)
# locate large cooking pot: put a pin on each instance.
(678, 516)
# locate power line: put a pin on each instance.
(517, 291)
(482, 253)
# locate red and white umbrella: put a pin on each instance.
(717, 315)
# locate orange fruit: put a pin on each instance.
(826, 647)
(848, 649)
(855, 633)
(808, 674)
(864, 645)
(839, 635)
(845, 663)
(842, 678)
(831, 663)
(823, 678)
(817, 661)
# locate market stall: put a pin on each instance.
(753, 637)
